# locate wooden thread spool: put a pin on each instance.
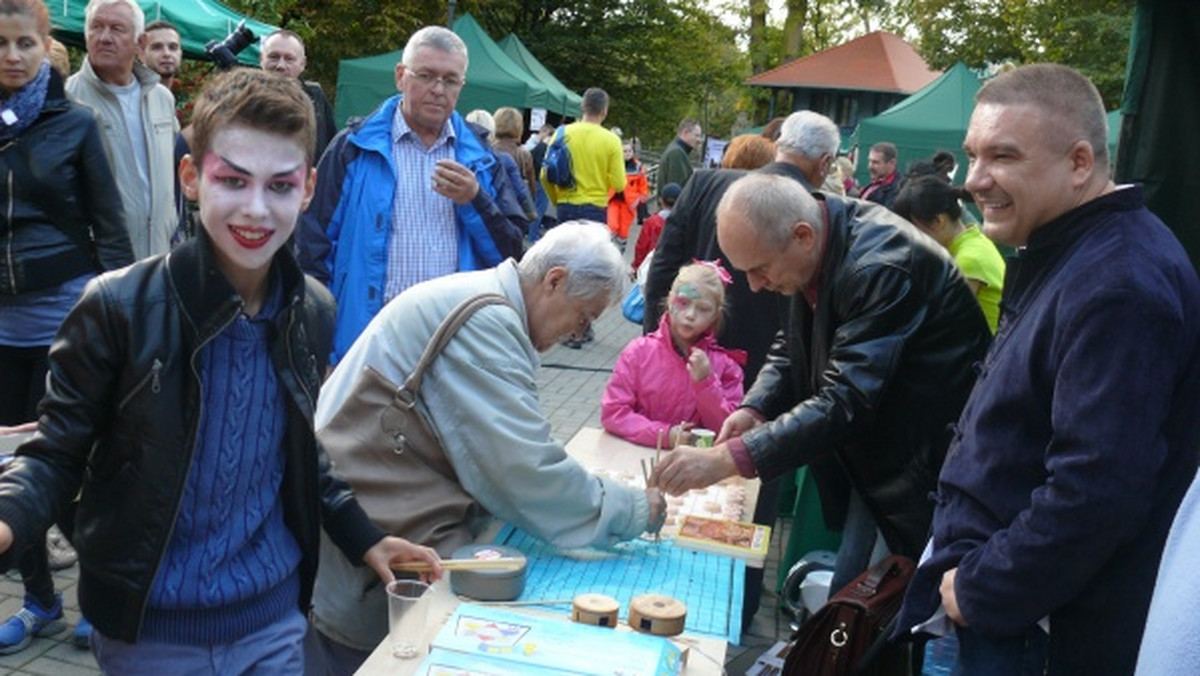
(597, 610)
(657, 614)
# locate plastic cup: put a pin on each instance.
(704, 438)
(408, 606)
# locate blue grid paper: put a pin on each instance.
(710, 585)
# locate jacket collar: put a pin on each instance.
(1063, 231)
(789, 170)
(375, 134)
(207, 297)
(141, 74)
(56, 95)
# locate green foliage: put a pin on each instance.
(662, 60)
(659, 60)
(1089, 35)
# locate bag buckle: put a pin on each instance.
(838, 637)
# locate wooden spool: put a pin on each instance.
(597, 610)
(657, 614)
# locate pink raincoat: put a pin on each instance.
(650, 390)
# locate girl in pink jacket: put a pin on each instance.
(677, 377)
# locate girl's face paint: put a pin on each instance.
(692, 313)
(251, 188)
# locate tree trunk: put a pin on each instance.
(758, 36)
(793, 29)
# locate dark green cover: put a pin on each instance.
(199, 21)
(493, 79)
(1161, 108)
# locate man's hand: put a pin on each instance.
(453, 180)
(949, 601)
(687, 467)
(392, 549)
(736, 424)
(698, 366)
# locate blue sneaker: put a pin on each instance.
(32, 620)
(82, 636)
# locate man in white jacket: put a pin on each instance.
(137, 118)
(480, 399)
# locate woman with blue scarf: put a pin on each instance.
(61, 223)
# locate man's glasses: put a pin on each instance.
(450, 82)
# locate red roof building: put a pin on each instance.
(858, 79)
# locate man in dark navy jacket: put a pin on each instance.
(1079, 440)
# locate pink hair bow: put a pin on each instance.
(726, 278)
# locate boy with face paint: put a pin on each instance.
(179, 409)
(678, 377)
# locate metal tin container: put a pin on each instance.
(488, 585)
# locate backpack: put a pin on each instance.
(557, 163)
(848, 635)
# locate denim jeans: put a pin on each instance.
(587, 212)
(861, 545)
(1023, 655)
(277, 648)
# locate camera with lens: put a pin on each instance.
(224, 53)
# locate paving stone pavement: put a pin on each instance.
(570, 383)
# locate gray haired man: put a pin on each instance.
(483, 407)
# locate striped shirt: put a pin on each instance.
(423, 243)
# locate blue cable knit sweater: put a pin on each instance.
(231, 566)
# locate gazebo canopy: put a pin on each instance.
(878, 61)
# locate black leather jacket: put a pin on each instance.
(863, 388)
(118, 426)
(60, 211)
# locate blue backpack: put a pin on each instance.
(557, 163)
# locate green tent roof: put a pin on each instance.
(199, 21)
(567, 102)
(493, 79)
(934, 118)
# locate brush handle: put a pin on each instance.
(503, 563)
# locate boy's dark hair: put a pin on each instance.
(256, 99)
(922, 198)
(160, 24)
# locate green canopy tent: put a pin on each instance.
(567, 102)
(1159, 143)
(198, 21)
(493, 79)
(932, 119)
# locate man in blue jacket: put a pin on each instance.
(1079, 440)
(410, 193)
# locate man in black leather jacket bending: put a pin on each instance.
(874, 363)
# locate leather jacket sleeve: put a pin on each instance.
(874, 324)
(48, 471)
(102, 202)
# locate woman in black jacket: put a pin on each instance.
(61, 223)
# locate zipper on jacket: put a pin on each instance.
(191, 453)
(312, 403)
(12, 273)
(152, 378)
